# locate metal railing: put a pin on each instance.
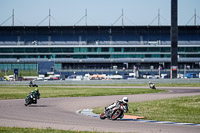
(96, 43)
(126, 70)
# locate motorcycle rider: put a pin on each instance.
(31, 83)
(152, 85)
(37, 93)
(124, 101)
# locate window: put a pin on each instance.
(18, 50)
(92, 49)
(154, 49)
(68, 50)
(55, 50)
(43, 50)
(117, 49)
(165, 49)
(6, 50)
(31, 50)
(104, 49)
(129, 49)
(141, 49)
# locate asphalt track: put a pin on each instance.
(60, 113)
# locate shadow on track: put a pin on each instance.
(38, 106)
(127, 120)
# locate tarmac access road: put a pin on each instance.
(60, 113)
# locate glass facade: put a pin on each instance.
(97, 52)
(95, 49)
(18, 66)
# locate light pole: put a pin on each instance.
(174, 38)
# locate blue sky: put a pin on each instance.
(100, 12)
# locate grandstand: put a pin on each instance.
(96, 48)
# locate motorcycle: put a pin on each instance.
(31, 99)
(32, 84)
(152, 85)
(114, 113)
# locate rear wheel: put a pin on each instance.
(116, 114)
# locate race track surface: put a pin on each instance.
(60, 113)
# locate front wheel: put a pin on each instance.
(102, 116)
(153, 87)
(26, 104)
(116, 114)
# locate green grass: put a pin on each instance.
(183, 109)
(35, 130)
(20, 92)
(157, 85)
(97, 85)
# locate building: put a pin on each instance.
(88, 48)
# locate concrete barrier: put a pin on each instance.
(104, 82)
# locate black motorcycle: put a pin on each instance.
(115, 113)
(31, 99)
(32, 84)
(152, 85)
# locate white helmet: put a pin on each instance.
(125, 99)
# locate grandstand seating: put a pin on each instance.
(96, 39)
(129, 33)
(156, 42)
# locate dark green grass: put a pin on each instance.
(183, 109)
(20, 92)
(35, 130)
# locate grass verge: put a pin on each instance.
(157, 85)
(183, 109)
(35, 130)
(19, 92)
